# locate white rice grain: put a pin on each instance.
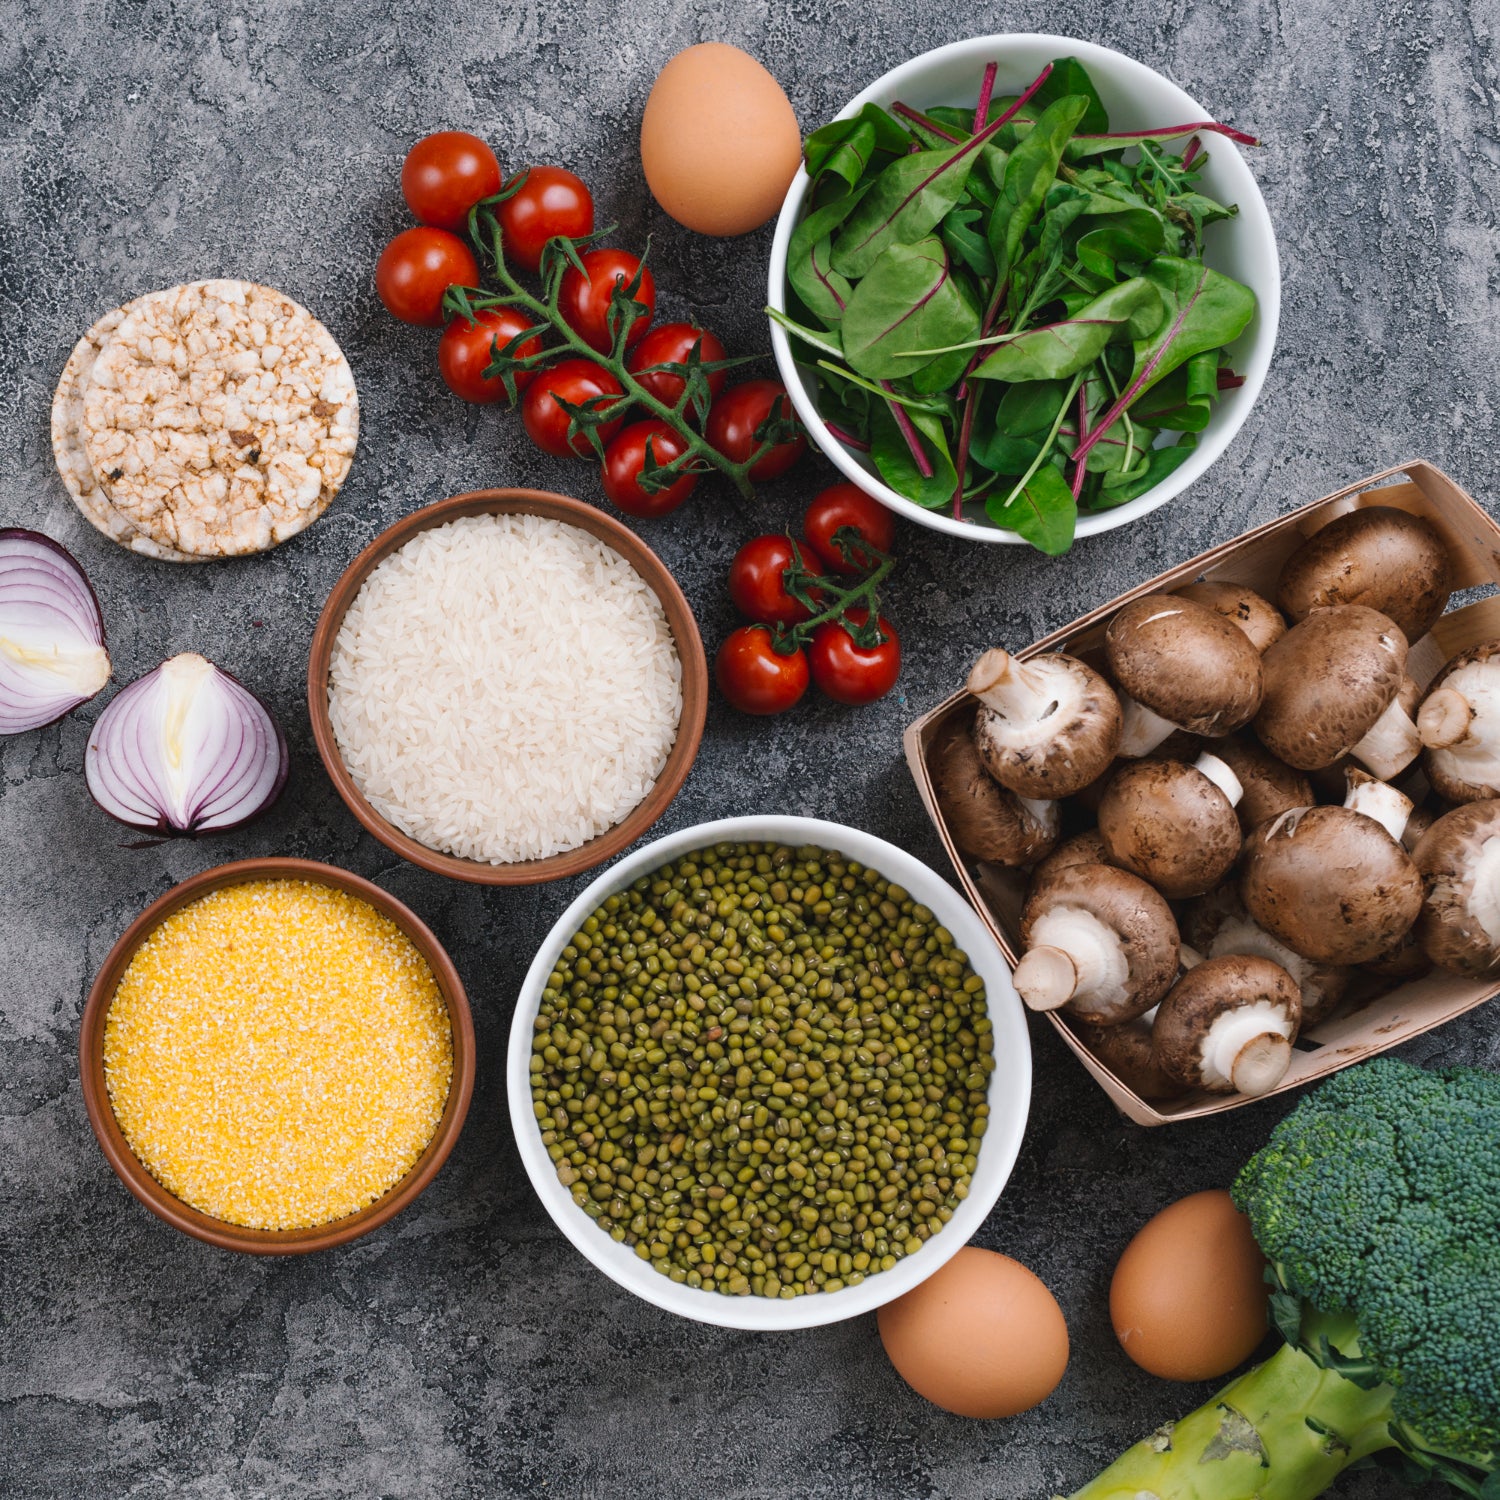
(504, 688)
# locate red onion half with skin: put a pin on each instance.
(186, 749)
(52, 655)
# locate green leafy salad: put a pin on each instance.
(1007, 307)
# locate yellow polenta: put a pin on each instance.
(278, 1054)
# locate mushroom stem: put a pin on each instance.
(1142, 729)
(1248, 1047)
(1046, 978)
(1444, 719)
(1072, 953)
(1209, 765)
(1391, 743)
(1004, 684)
(1380, 801)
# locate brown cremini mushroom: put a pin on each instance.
(1242, 606)
(1081, 849)
(1045, 727)
(1331, 883)
(1180, 665)
(1228, 1025)
(1099, 943)
(1268, 786)
(1328, 680)
(1171, 824)
(1459, 724)
(1218, 925)
(1380, 557)
(987, 821)
(1459, 860)
(1127, 1051)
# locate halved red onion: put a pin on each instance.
(52, 655)
(186, 749)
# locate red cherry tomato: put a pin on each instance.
(626, 457)
(847, 505)
(738, 414)
(550, 201)
(670, 344)
(757, 581)
(546, 423)
(416, 268)
(584, 300)
(854, 674)
(445, 174)
(755, 677)
(466, 349)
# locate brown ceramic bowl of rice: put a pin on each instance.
(507, 687)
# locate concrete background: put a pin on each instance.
(467, 1350)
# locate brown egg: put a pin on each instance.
(719, 142)
(1188, 1299)
(982, 1337)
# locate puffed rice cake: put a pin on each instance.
(220, 418)
(67, 446)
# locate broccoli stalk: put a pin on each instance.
(1285, 1431)
(1377, 1203)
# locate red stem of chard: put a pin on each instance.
(931, 126)
(1024, 96)
(909, 432)
(986, 90)
(1169, 130)
(848, 439)
(1194, 146)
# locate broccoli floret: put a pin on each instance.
(1379, 1196)
(1377, 1203)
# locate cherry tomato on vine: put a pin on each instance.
(466, 349)
(551, 201)
(853, 674)
(445, 174)
(739, 413)
(584, 300)
(417, 267)
(546, 423)
(670, 344)
(847, 505)
(625, 458)
(755, 677)
(757, 582)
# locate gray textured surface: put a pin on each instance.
(467, 1350)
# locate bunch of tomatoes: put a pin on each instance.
(447, 174)
(814, 611)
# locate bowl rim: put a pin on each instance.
(1008, 1109)
(1254, 216)
(680, 621)
(219, 1232)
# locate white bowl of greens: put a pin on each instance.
(942, 304)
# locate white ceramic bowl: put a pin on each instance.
(1009, 1095)
(1137, 98)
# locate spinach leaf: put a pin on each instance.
(894, 461)
(1204, 310)
(1160, 463)
(1135, 235)
(908, 300)
(908, 200)
(1043, 511)
(1028, 174)
(808, 263)
(844, 145)
(1030, 408)
(967, 244)
(1059, 350)
(1183, 401)
(1070, 77)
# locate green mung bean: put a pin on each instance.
(764, 1069)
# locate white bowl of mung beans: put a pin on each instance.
(768, 1072)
